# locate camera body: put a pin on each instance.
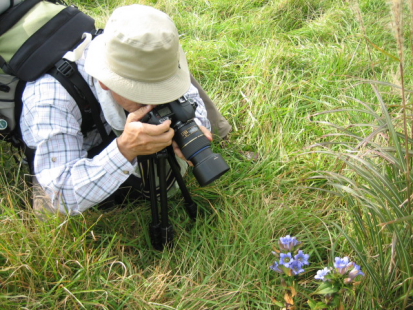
(195, 146)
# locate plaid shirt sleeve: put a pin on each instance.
(51, 123)
(200, 112)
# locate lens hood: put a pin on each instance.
(210, 169)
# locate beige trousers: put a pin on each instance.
(219, 124)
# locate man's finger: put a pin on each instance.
(139, 114)
(206, 132)
(152, 130)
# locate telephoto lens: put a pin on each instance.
(195, 146)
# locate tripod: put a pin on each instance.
(161, 230)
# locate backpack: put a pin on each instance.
(35, 35)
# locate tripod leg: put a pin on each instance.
(155, 226)
(166, 228)
(190, 206)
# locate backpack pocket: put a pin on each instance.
(8, 85)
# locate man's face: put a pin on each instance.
(126, 104)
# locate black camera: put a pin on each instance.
(195, 146)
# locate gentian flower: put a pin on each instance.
(343, 264)
(321, 274)
(301, 257)
(355, 272)
(276, 268)
(286, 259)
(297, 267)
(288, 243)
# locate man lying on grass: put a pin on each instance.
(136, 64)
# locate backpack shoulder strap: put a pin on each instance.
(16, 138)
(67, 73)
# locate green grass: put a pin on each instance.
(294, 79)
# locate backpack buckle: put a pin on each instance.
(64, 67)
(4, 88)
(97, 32)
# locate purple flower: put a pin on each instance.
(276, 268)
(288, 243)
(343, 264)
(321, 274)
(297, 267)
(286, 259)
(356, 271)
(302, 258)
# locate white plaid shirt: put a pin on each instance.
(50, 123)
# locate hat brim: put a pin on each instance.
(142, 92)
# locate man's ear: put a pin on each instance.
(103, 86)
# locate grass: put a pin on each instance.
(294, 78)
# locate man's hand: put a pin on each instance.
(178, 151)
(143, 139)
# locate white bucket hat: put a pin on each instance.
(139, 56)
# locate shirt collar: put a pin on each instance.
(112, 111)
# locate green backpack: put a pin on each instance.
(34, 37)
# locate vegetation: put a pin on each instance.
(319, 96)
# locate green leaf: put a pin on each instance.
(326, 288)
(279, 303)
(316, 305)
